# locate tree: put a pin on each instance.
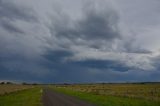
(2, 83)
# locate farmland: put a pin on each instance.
(147, 94)
(115, 94)
(8, 88)
(20, 95)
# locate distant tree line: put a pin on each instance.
(25, 83)
(2, 83)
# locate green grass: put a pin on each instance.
(101, 100)
(29, 97)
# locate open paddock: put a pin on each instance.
(6, 89)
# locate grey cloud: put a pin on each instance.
(57, 56)
(11, 10)
(131, 47)
(100, 25)
(95, 27)
(156, 61)
(10, 27)
(20, 49)
(103, 65)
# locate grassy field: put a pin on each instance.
(115, 94)
(5, 89)
(28, 97)
(100, 94)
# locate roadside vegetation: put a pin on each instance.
(27, 97)
(8, 88)
(115, 94)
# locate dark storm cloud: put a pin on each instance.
(92, 70)
(102, 64)
(63, 70)
(79, 71)
(58, 55)
(68, 44)
(156, 62)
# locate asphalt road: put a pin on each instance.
(52, 98)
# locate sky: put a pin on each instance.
(78, 41)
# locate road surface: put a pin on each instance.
(52, 98)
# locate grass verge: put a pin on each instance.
(101, 100)
(29, 97)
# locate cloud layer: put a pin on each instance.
(78, 41)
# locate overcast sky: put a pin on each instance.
(80, 40)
